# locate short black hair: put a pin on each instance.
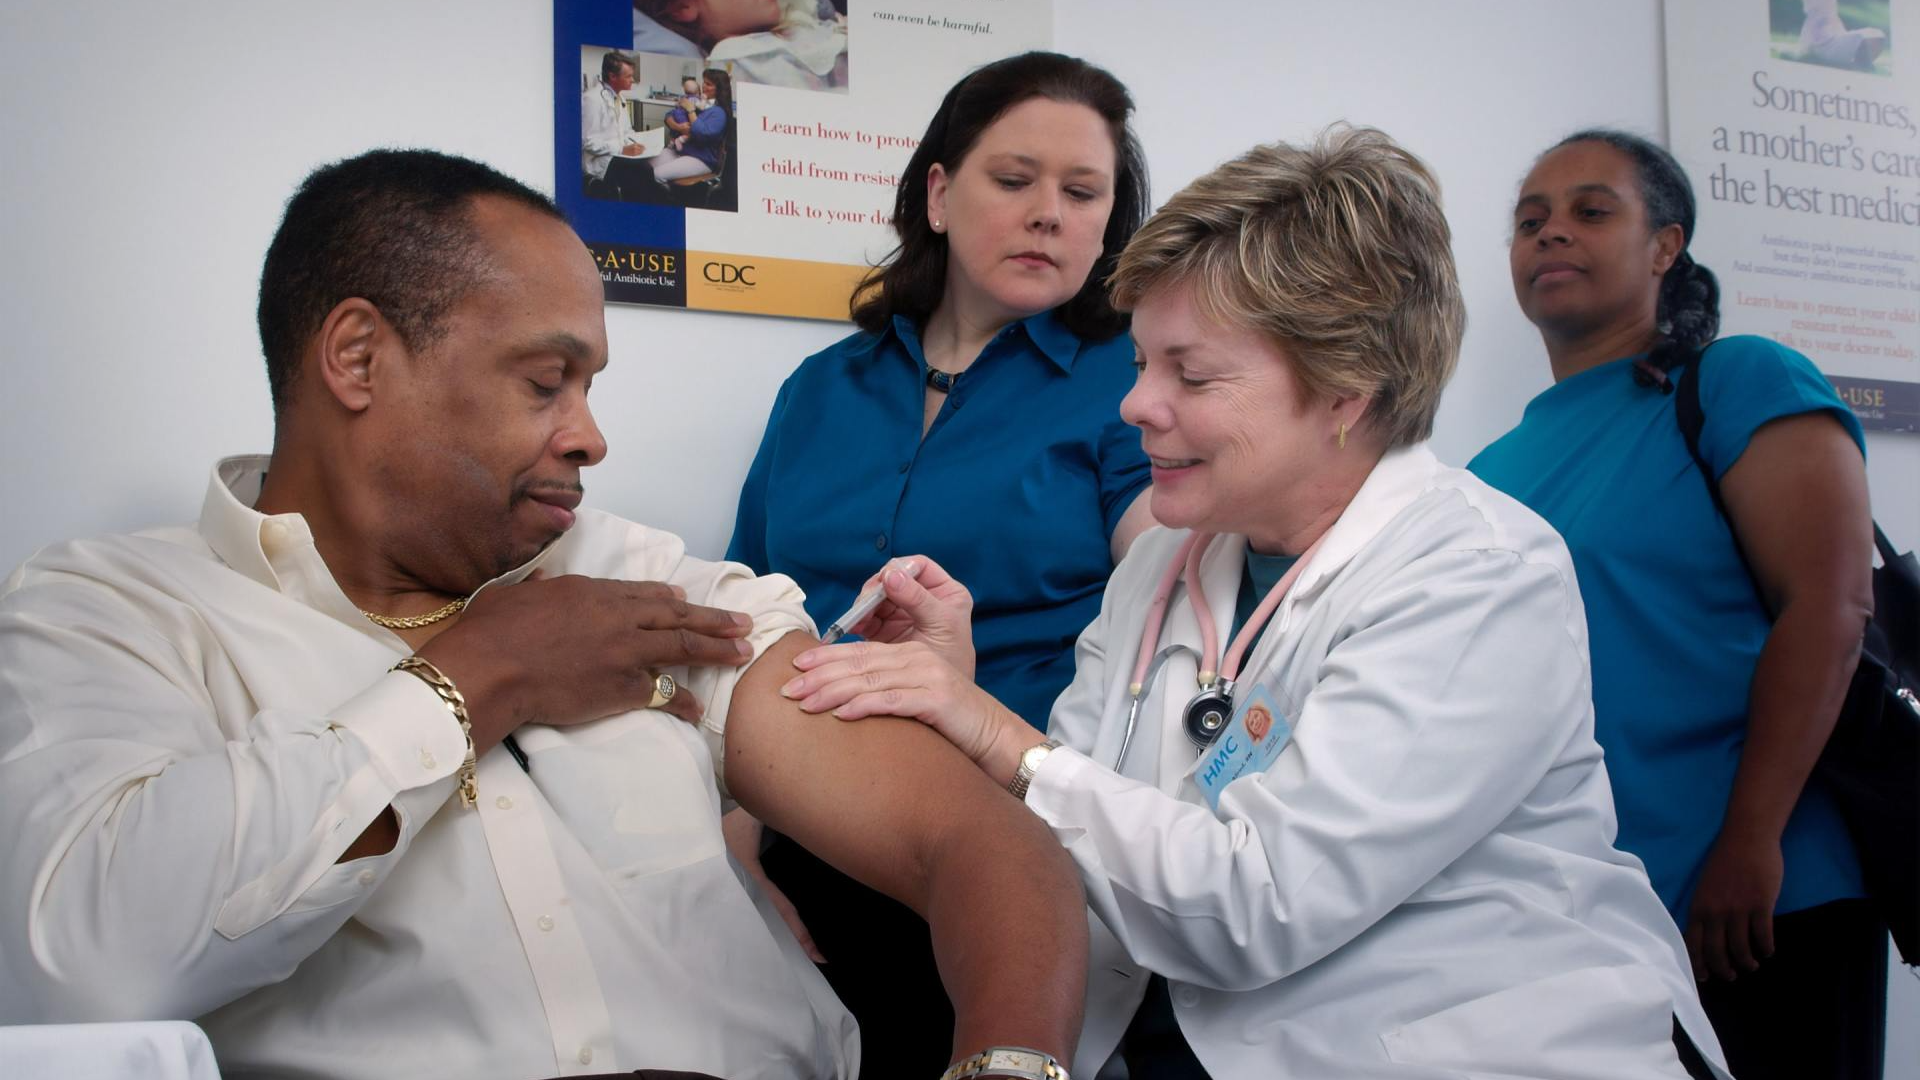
(389, 226)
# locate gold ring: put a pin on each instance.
(663, 690)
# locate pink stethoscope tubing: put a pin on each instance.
(1186, 565)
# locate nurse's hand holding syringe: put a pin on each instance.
(872, 594)
(917, 663)
(912, 598)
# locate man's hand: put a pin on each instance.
(632, 149)
(566, 650)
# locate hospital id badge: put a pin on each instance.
(1252, 742)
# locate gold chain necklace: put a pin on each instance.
(415, 622)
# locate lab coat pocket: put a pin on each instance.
(1599, 1023)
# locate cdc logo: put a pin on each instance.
(728, 274)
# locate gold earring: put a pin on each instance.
(1341, 443)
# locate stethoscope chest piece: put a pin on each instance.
(1208, 712)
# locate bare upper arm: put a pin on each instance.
(1798, 499)
(876, 798)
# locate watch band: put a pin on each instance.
(1030, 760)
(1014, 1061)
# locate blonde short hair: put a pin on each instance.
(1337, 251)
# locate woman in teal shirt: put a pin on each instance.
(1711, 707)
(974, 417)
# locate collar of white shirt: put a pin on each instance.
(277, 550)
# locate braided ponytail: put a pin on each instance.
(1687, 320)
(1688, 317)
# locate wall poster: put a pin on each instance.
(742, 155)
(1799, 121)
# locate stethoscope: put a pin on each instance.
(1209, 710)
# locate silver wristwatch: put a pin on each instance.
(1030, 760)
(1013, 1061)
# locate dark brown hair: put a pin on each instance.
(912, 279)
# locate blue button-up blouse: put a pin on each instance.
(1015, 489)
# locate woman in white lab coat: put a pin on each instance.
(1394, 857)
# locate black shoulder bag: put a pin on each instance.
(1871, 763)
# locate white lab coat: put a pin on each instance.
(605, 129)
(1424, 883)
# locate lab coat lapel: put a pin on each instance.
(1396, 480)
(1399, 477)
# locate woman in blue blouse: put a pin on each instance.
(1710, 706)
(974, 416)
(699, 148)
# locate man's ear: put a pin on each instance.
(350, 338)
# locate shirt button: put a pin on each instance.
(880, 542)
(586, 1055)
(1186, 996)
(366, 877)
(905, 465)
(544, 922)
(426, 758)
(503, 803)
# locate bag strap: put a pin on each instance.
(1693, 419)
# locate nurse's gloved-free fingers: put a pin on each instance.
(870, 679)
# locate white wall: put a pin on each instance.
(148, 149)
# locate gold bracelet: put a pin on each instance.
(456, 704)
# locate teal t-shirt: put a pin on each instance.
(1674, 626)
(1263, 572)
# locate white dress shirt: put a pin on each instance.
(605, 129)
(1423, 885)
(194, 725)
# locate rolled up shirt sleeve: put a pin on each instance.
(167, 855)
(773, 601)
